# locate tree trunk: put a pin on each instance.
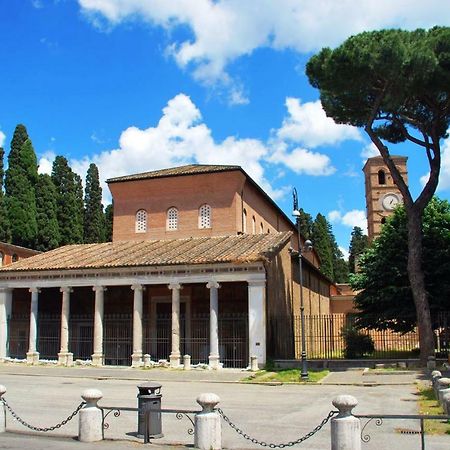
(417, 281)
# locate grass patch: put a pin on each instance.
(286, 376)
(429, 405)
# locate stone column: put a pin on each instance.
(257, 320)
(65, 358)
(33, 355)
(98, 356)
(214, 357)
(175, 353)
(345, 428)
(136, 357)
(5, 312)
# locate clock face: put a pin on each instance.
(390, 201)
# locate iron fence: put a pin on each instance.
(81, 332)
(324, 339)
(48, 338)
(18, 335)
(117, 339)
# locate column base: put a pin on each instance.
(33, 358)
(136, 360)
(214, 362)
(175, 361)
(97, 359)
(65, 359)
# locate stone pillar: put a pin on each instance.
(208, 431)
(257, 320)
(32, 354)
(345, 428)
(214, 357)
(65, 357)
(435, 376)
(443, 386)
(90, 425)
(98, 356)
(175, 353)
(136, 357)
(446, 402)
(5, 312)
(2, 410)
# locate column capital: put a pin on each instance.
(98, 288)
(66, 289)
(256, 283)
(138, 287)
(213, 284)
(34, 290)
(174, 286)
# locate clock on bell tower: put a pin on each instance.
(382, 195)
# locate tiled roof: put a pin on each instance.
(190, 169)
(224, 249)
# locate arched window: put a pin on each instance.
(261, 228)
(172, 219)
(381, 177)
(204, 216)
(253, 225)
(14, 258)
(244, 221)
(1, 258)
(141, 221)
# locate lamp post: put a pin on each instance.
(308, 247)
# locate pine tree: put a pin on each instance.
(340, 266)
(67, 202)
(94, 219)
(306, 224)
(48, 236)
(5, 233)
(109, 214)
(20, 180)
(323, 246)
(358, 243)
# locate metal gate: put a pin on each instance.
(81, 332)
(117, 339)
(48, 339)
(18, 335)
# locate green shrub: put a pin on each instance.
(357, 344)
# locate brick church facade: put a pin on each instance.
(202, 262)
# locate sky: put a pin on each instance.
(140, 85)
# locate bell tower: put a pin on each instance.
(382, 195)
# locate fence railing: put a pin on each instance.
(325, 340)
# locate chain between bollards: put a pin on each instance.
(31, 427)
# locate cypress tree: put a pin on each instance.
(79, 219)
(94, 219)
(20, 180)
(322, 245)
(358, 243)
(306, 224)
(5, 233)
(48, 236)
(109, 214)
(67, 204)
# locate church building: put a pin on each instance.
(202, 262)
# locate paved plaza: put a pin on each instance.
(276, 414)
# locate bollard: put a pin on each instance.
(147, 360)
(442, 385)
(431, 363)
(187, 362)
(254, 363)
(345, 428)
(435, 376)
(208, 432)
(2, 410)
(446, 402)
(90, 427)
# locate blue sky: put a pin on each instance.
(137, 85)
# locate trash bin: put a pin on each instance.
(149, 399)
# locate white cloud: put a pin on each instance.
(444, 176)
(45, 162)
(2, 138)
(353, 218)
(345, 253)
(180, 137)
(307, 124)
(224, 30)
(369, 151)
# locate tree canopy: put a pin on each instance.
(94, 219)
(5, 234)
(395, 84)
(386, 300)
(358, 243)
